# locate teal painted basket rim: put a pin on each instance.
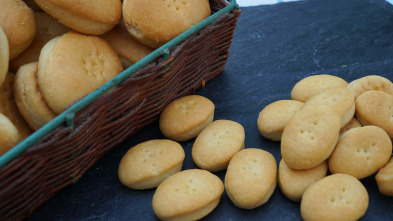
(68, 115)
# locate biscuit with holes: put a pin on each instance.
(310, 137)
(384, 179)
(312, 85)
(274, 117)
(73, 65)
(184, 118)
(4, 55)
(18, 23)
(293, 183)
(217, 143)
(353, 123)
(335, 197)
(361, 152)
(47, 29)
(369, 83)
(187, 195)
(147, 164)
(28, 97)
(155, 22)
(376, 108)
(338, 99)
(9, 135)
(251, 178)
(87, 17)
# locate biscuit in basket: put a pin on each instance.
(251, 178)
(353, 123)
(129, 49)
(274, 117)
(18, 23)
(87, 17)
(28, 98)
(73, 65)
(293, 183)
(47, 29)
(335, 197)
(338, 99)
(310, 137)
(4, 55)
(155, 22)
(361, 152)
(375, 108)
(312, 85)
(9, 135)
(147, 164)
(384, 179)
(370, 82)
(187, 195)
(217, 143)
(184, 118)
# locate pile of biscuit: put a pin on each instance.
(330, 125)
(55, 52)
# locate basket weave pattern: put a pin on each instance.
(66, 153)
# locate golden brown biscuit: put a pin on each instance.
(18, 23)
(4, 55)
(384, 179)
(312, 85)
(149, 163)
(157, 22)
(87, 17)
(47, 29)
(353, 123)
(187, 195)
(375, 108)
(335, 197)
(129, 49)
(310, 137)
(217, 143)
(275, 116)
(371, 82)
(28, 97)
(361, 151)
(9, 135)
(251, 178)
(73, 65)
(184, 118)
(293, 183)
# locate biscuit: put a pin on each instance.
(87, 17)
(9, 135)
(4, 55)
(157, 22)
(375, 108)
(384, 179)
(149, 163)
(129, 49)
(73, 65)
(184, 118)
(18, 23)
(338, 99)
(187, 195)
(310, 137)
(312, 85)
(361, 151)
(10, 110)
(47, 29)
(353, 123)
(217, 143)
(293, 183)
(371, 82)
(251, 178)
(274, 117)
(335, 197)
(28, 98)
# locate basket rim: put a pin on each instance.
(68, 115)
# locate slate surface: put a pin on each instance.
(274, 47)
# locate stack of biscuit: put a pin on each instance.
(333, 127)
(58, 51)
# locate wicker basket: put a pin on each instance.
(58, 154)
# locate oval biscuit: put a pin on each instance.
(371, 82)
(384, 179)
